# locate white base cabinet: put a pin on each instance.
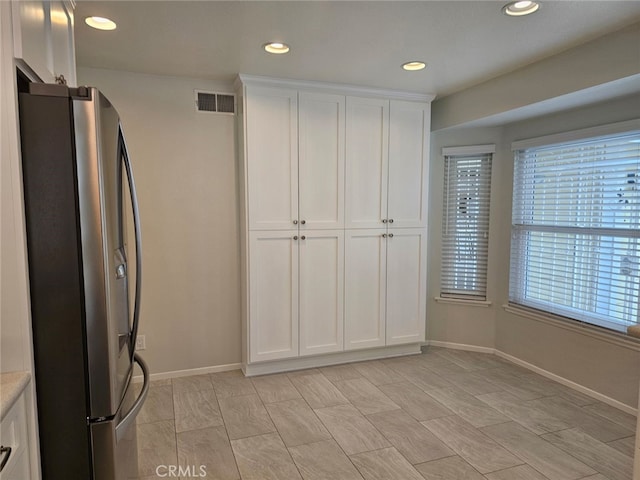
(385, 287)
(334, 211)
(13, 434)
(297, 293)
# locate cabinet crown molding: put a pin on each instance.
(337, 88)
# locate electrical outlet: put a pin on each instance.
(141, 344)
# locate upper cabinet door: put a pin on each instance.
(367, 155)
(31, 37)
(321, 161)
(406, 285)
(272, 157)
(409, 128)
(62, 41)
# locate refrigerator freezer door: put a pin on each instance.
(100, 176)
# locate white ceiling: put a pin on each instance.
(362, 42)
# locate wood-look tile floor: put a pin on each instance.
(442, 415)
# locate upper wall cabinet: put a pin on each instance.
(295, 151)
(272, 157)
(43, 39)
(367, 162)
(387, 152)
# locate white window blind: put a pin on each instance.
(465, 222)
(575, 245)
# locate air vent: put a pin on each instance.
(215, 102)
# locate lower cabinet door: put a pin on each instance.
(365, 291)
(273, 301)
(321, 291)
(406, 285)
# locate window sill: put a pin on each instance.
(609, 336)
(462, 301)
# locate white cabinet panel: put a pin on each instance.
(62, 42)
(272, 157)
(409, 127)
(273, 308)
(43, 38)
(13, 434)
(31, 37)
(321, 291)
(367, 156)
(406, 285)
(365, 288)
(321, 160)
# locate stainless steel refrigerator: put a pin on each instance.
(78, 188)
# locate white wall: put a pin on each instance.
(605, 365)
(185, 171)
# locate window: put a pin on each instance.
(465, 222)
(575, 244)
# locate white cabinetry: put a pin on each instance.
(273, 308)
(296, 293)
(13, 435)
(333, 203)
(43, 39)
(387, 153)
(385, 287)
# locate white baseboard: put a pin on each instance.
(320, 361)
(189, 372)
(301, 363)
(545, 373)
(461, 346)
(568, 383)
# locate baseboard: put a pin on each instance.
(461, 346)
(301, 363)
(541, 371)
(568, 383)
(189, 372)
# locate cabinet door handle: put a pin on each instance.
(391, 235)
(295, 237)
(384, 235)
(391, 220)
(303, 237)
(384, 220)
(303, 222)
(295, 222)
(6, 452)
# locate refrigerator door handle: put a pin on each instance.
(138, 234)
(130, 417)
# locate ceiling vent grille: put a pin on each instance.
(215, 102)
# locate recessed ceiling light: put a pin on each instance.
(414, 66)
(276, 47)
(520, 8)
(101, 23)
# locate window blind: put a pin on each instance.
(465, 223)
(575, 248)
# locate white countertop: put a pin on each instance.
(12, 384)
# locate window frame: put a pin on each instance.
(557, 140)
(447, 292)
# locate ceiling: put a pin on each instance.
(362, 43)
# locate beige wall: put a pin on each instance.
(185, 171)
(608, 367)
(469, 325)
(15, 338)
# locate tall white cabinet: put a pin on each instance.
(333, 201)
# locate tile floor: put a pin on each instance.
(442, 415)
